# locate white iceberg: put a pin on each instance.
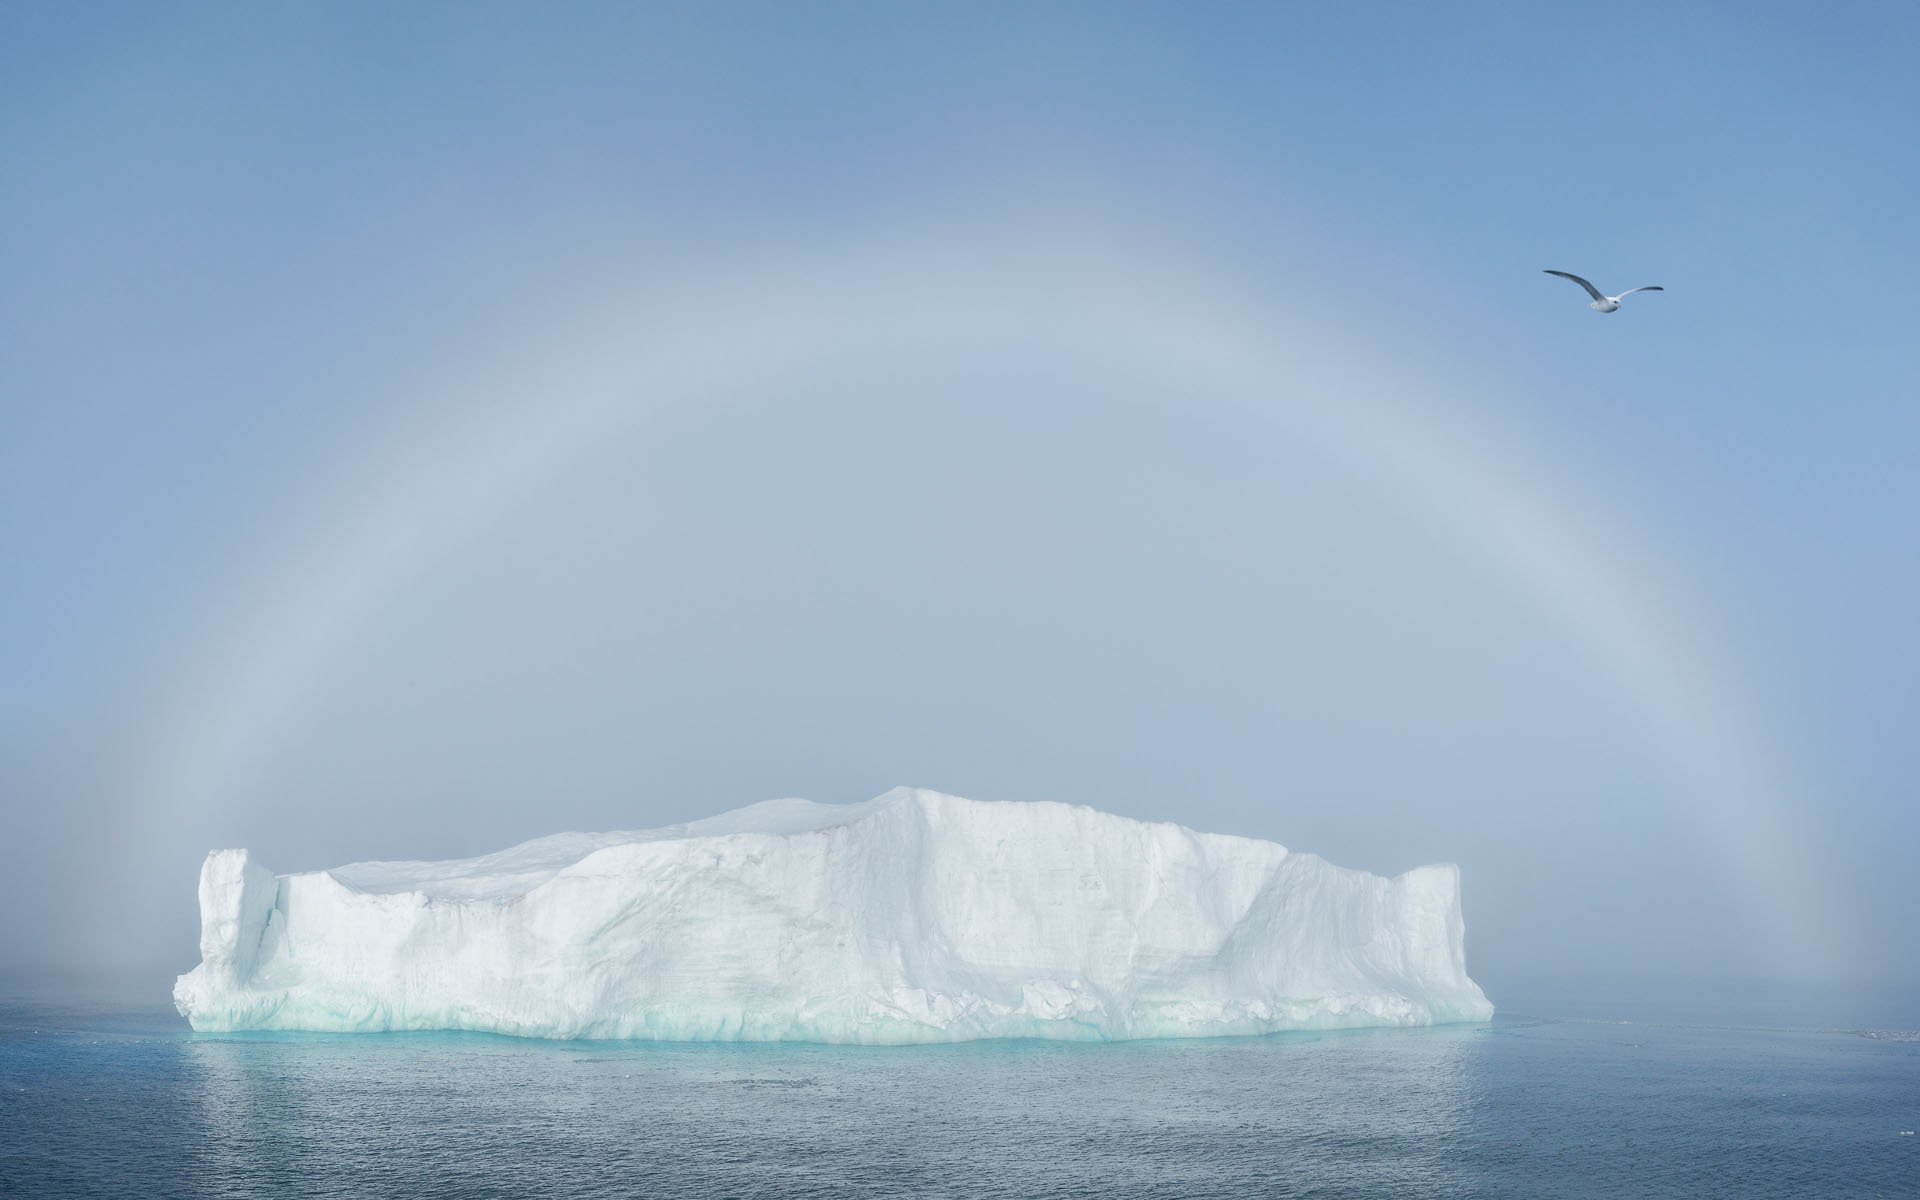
(914, 917)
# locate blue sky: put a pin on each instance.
(249, 253)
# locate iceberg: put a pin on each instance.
(913, 917)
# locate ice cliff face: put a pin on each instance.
(914, 917)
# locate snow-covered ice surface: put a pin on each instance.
(914, 917)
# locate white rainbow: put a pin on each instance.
(749, 333)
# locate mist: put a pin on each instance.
(411, 455)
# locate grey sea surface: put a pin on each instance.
(119, 1099)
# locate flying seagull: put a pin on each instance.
(1603, 303)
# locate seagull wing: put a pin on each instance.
(1630, 291)
(1591, 290)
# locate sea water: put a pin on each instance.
(122, 1100)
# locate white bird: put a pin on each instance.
(1604, 303)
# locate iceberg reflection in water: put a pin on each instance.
(134, 1104)
(476, 1113)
